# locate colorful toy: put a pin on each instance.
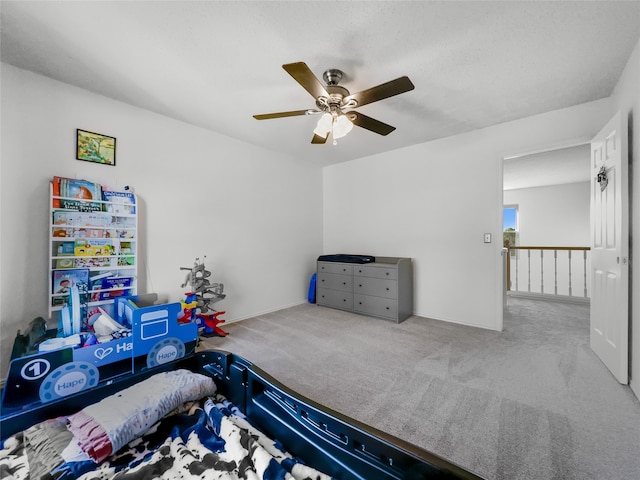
(197, 304)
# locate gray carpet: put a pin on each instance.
(532, 402)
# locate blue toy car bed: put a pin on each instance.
(319, 443)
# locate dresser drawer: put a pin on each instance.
(379, 287)
(333, 267)
(377, 306)
(375, 271)
(335, 282)
(334, 298)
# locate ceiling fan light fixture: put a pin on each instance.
(341, 126)
(324, 125)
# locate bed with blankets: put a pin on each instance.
(212, 415)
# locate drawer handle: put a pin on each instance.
(387, 308)
(344, 283)
(359, 303)
(387, 273)
(344, 299)
(387, 289)
(360, 285)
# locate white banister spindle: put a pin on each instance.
(584, 263)
(569, 272)
(555, 272)
(541, 271)
(528, 270)
(517, 263)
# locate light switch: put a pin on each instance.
(487, 238)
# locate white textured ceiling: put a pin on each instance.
(214, 64)
(556, 167)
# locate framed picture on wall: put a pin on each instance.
(95, 147)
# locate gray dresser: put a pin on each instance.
(381, 289)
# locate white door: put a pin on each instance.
(610, 247)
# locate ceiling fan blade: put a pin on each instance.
(305, 77)
(317, 139)
(369, 123)
(385, 90)
(266, 116)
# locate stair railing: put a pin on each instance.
(513, 254)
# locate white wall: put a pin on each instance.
(434, 201)
(555, 215)
(626, 99)
(254, 214)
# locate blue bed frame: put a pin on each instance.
(327, 440)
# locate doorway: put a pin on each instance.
(550, 191)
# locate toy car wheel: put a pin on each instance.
(165, 351)
(68, 379)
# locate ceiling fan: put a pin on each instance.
(336, 104)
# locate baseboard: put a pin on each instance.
(550, 298)
(455, 322)
(265, 312)
(635, 388)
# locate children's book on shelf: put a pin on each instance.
(63, 280)
(125, 248)
(65, 263)
(126, 256)
(126, 232)
(84, 219)
(92, 262)
(80, 232)
(95, 278)
(65, 249)
(126, 261)
(119, 202)
(93, 252)
(110, 287)
(77, 194)
(93, 247)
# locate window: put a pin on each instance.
(510, 227)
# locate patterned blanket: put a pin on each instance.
(204, 439)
